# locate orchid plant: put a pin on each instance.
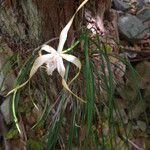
(54, 58)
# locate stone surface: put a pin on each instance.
(147, 1)
(1, 79)
(144, 15)
(121, 5)
(141, 3)
(7, 79)
(6, 111)
(7, 73)
(132, 28)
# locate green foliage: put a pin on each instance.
(12, 133)
(34, 144)
(89, 91)
(16, 95)
(70, 124)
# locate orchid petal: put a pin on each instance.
(67, 88)
(72, 59)
(48, 49)
(64, 32)
(60, 67)
(39, 62)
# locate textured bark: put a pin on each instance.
(36, 21)
(55, 15)
(26, 24)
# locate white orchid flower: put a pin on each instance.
(54, 59)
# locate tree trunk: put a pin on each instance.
(36, 21)
(32, 22)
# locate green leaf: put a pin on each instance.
(12, 133)
(106, 48)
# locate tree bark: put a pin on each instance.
(32, 22)
(36, 21)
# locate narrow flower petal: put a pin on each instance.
(39, 62)
(72, 59)
(60, 67)
(67, 88)
(64, 32)
(48, 49)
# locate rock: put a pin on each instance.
(144, 15)
(132, 28)
(121, 5)
(140, 3)
(7, 79)
(1, 79)
(6, 111)
(146, 1)
(6, 74)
